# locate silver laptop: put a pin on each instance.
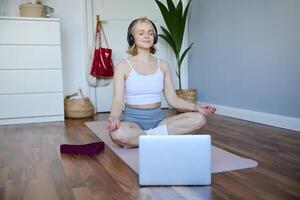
(175, 160)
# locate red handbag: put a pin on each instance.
(102, 66)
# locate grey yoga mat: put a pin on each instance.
(222, 160)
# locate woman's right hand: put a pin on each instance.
(113, 123)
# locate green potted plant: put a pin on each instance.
(175, 18)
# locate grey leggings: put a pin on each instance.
(145, 118)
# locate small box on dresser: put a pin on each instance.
(31, 87)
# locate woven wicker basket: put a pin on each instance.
(78, 108)
(31, 10)
(189, 95)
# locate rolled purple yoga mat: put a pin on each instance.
(88, 149)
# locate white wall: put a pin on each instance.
(71, 14)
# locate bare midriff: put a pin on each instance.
(145, 106)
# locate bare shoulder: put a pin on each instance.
(122, 66)
(122, 69)
(164, 65)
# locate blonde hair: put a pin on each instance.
(132, 50)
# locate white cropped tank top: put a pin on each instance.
(143, 89)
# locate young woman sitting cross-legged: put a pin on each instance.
(141, 78)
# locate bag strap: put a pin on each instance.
(97, 37)
(99, 24)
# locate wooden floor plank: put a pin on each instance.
(82, 193)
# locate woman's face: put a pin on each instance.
(143, 34)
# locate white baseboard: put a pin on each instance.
(26, 120)
(259, 117)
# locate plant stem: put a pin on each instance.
(179, 79)
(179, 71)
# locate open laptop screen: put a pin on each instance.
(175, 160)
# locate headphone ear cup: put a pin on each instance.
(130, 39)
(155, 39)
(156, 33)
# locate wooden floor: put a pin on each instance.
(31, 166)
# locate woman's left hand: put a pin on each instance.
(208, 109)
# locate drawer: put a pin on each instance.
(30, 57)
(30, 81)
(31, 105)
(29, 32)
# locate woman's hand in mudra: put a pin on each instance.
(113, 123)
(206, 109)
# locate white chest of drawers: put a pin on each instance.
(30, 70)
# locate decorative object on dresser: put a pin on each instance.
(35, 10)
(31, 88)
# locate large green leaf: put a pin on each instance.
(179, 23)
(185, 15)
(171, 6)
(183, 22)
(173, 13)
(184, 54)
(169, 20)
(169, 15)
(179, 9)
(169, 39)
